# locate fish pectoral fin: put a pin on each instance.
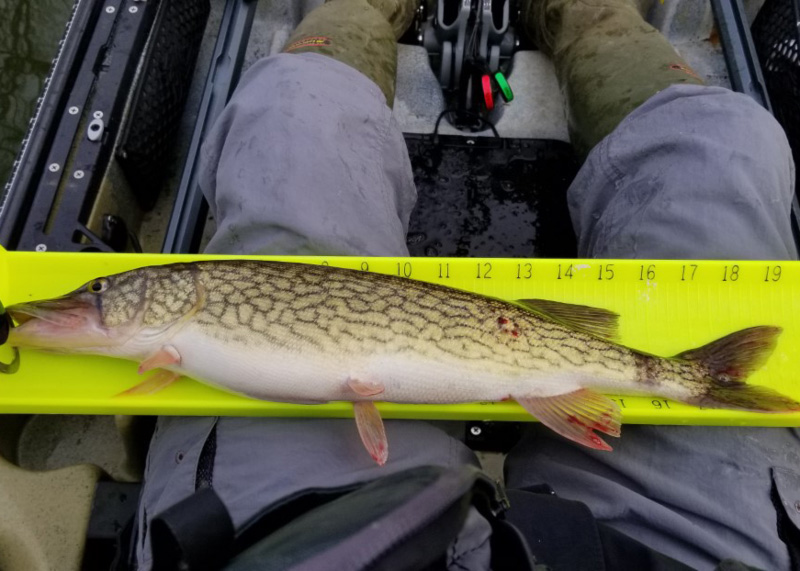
(365, 388)
(577, 415)
(151, 385)
(164, 357)
(371, 430)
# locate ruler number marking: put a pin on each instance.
(606, 273)
(773, 274)
(650, 273)
(405, 271)
(731, 274)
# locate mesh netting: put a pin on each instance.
(776, 34)
(153, 126)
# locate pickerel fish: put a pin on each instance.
(311, 334)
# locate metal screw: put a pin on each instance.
(475, 430)
(133, 9)
(97, 114)
(110, 9)
(73, 110)
(54, 167)
(78, 174)
(41, 248)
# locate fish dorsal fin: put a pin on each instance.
(592, 320)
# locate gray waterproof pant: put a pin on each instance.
(307, 159)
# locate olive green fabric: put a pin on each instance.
(362, 34)
(399, 13)
(608, 60)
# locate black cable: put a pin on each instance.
(135, 244)
(477, 116)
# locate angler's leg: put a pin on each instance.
(359, 33)
(694, 172)
(305, 159)
(608, 60)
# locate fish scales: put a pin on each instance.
(334, 312)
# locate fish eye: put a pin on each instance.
(97, 286)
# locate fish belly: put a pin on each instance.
(275, 373)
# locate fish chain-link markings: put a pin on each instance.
(123, 299)
(342, 312)
(166, 295)
(683, 373)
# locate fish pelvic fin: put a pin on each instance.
(728, 362)
(577, 415)
(371, 430)
(153, 384)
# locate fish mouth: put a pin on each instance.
(60, 323)
(63, 311)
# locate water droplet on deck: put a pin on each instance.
(415, 238)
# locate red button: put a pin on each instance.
(487, 92)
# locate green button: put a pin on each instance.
(505, 88)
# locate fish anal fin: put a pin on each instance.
(577, 415)
(151, 385)
(164, 357)
(371, 430)
(593, 320)
(365, 388)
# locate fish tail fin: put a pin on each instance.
(728, 362)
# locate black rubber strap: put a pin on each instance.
(563, 535)
(194, 534)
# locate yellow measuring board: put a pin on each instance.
(665, 307)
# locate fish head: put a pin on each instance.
(122, 314)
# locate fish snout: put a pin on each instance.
(69, 322)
